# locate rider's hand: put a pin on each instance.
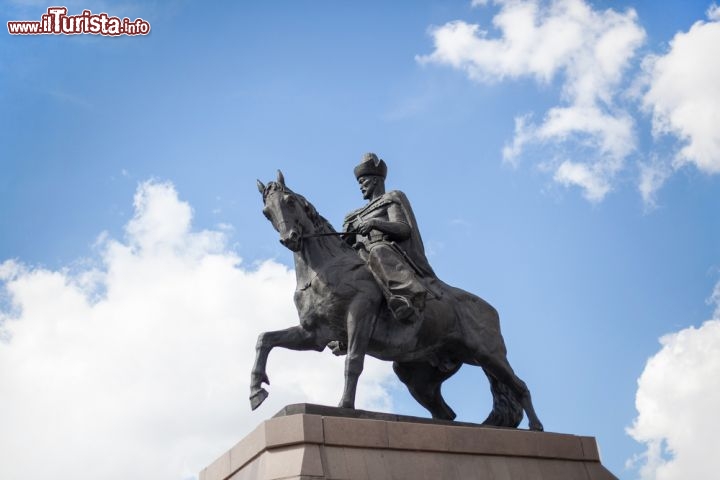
(366, 226)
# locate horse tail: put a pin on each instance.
(507, 410)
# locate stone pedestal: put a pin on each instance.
(312, 442)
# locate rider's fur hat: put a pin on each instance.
(371, 165)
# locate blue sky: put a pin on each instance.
(591, 227)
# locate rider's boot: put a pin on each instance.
(403, 310)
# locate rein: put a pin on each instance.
(327, 234)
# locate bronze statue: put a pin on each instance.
(380, 297)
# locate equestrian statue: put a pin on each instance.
(370, 290)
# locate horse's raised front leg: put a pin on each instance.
(362, 316)
(294, 338)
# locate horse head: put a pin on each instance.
(286, 211)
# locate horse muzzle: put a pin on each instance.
(292, 240)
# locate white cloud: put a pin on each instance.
(713, 12)
(683, 93)
(652, 176)
(677, 399)
(139, 367)
(586, 176)
(590, 49)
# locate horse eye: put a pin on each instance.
(266, 212)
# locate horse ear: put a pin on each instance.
(261, 187)
(281, 178)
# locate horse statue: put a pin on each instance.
(341, 306)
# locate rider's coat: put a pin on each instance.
(398, 264)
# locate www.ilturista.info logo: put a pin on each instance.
(57, 22)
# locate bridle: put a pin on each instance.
(311, 235)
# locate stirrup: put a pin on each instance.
(402, 309)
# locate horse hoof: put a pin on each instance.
(537, 427)
(257, 398)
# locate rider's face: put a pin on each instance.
(367, 185)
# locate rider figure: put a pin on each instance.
(386, 236)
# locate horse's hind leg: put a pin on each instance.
(424, 383)
(499, 367)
